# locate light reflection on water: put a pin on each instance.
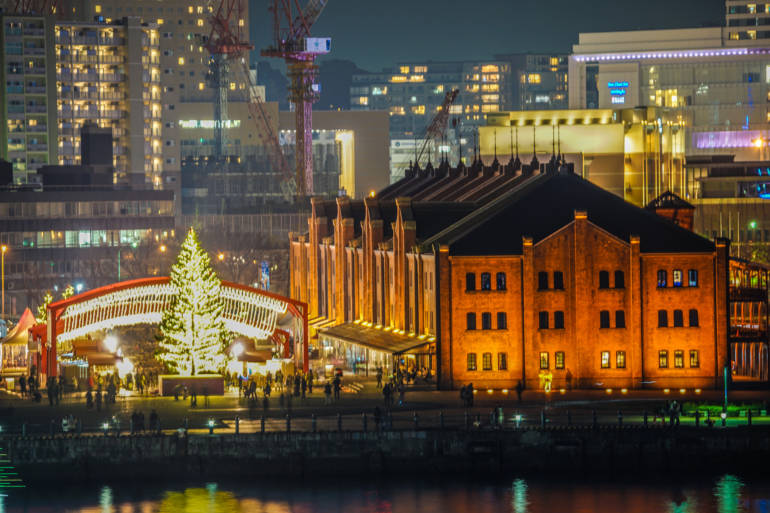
(727, 494)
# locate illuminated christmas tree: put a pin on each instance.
(42, 310)
(193, 335)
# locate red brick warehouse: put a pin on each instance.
(495, 275)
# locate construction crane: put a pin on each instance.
(229, 53)
(437, 127)
(293, 43)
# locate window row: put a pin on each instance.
(679, 359)
(620, 360)
(604, 280)
(544, 318)
(486, 361)
(678, 278)
(558, 359)
(678, 318)
(486, 281)
(486, 321)
(620, 319)
(558, 280)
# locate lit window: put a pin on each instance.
(199, 9)
(663, 359)
(486, 361)
(420, 69)
(559, 359)
(241, 23)
(694, 359)
(534, 78)
(692, 277)
(679, 359)
(404, 70)
(662, 279)
(201, 86)
(180, 61)
(200, 22)
(471, 361)
(502, 361)
(620, 359)
(98, 9)
(544, 361)
(232, 86)
(605, 359)
(678, 277)
(189, 9)
(398, 78)
(160, 21)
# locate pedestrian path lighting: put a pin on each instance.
(211, 426)
(105, 427)
(517, 418)
(724, 418)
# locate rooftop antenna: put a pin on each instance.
(511, 128)
(534, 141)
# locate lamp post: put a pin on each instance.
(2, 273)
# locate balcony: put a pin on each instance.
(37, 128)
(35, 89)
(39, 109)
(34, 31)
(34, 50)
(17, 89)
(37, 70)
(37, 147)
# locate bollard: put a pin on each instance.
(339, 422)
(644, 415)
(569, 418)
(415, 420)
(24, 429)
(441, 419)
(542, 418)
(697, 418)
(594, 420)
(364, 421)
(724, 418)
(237, 425)
(748, 417)
(467, 421)
(211, 426)
(262, 425)
(314, 422)
(620, 418)
(186, 423)
(288, 422)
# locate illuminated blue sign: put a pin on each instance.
(618, 91)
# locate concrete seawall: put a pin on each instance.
(66, 458)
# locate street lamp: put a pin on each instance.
(2, 273)
(221, 256)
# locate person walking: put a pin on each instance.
(23, 386)
(337, 387)
(379, 378)
(303, 387)
(327, 393)
(310, 378)
(519, 389)
(99, 398)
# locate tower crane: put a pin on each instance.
(229, 52)
(438, 126)
(293, 43)
(39, 7)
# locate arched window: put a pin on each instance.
(558, 280)
(604, 279)
(604, 319)
(486, 281)
(500, 281)
(470, 281)
(620, 280)
(693, 318)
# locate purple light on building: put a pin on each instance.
(722, 140)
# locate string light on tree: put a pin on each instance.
(193, 334)
(42, 310)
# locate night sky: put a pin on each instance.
(379, 33)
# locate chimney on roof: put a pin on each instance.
(670, 206)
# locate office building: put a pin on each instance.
(59, 76)
(538, 81)
(495, 275)
(637, 154)
(719, 88)
(748, 22)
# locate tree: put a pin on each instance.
(42, 309)
(192, 332)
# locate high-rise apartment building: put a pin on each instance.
(27, 78)
(184, 72)
(58, 76)
(538, 81)
(412, 93)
